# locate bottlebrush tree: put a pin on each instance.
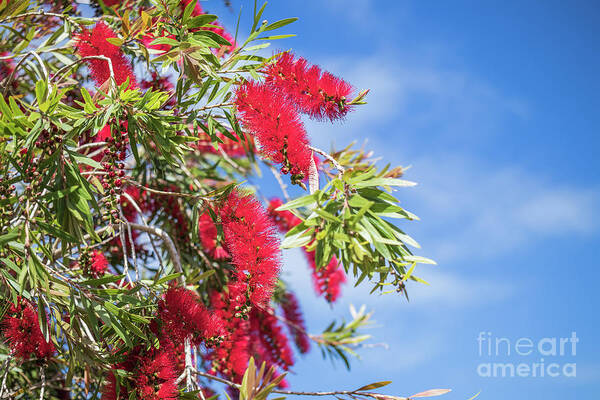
(139, 256)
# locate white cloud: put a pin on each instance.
(446, 290)
(474, 209)
(356, 11)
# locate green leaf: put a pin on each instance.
(188, 11)
(299, 202)
(420, 260)
(293, 241)
(384, 182)
(276, 37)
(280, 23)
(116, 41)
(257, 15)
(168, 278)
(9, 237)
(200, 20)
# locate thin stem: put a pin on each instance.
(188, 364)
(215, 106)
(156, 191)
(13, 73)
(231, 162)
(43, 375)
(132, 244)
(333, 161)
(125, 257)
(168, 242)
(81, 60)
(297, 393)
(5, 369)
(40, 13)
(139, 210)
(282, 184)
(90, 145)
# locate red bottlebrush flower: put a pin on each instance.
(328, 279)
(256, 334)
(23, 334)
(156, 376)
(151, 375)
(182, 316)
(98, 264)
(103, 134)
(207, 231)
(231, 357)
(276, 125)
(251, 239)
(316, 93)
(110, 3)
(160, 84)
(109, 390)
(93, 43)
(285, 220)
(292, 313)
(269, 340)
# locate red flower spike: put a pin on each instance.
(297, 328)
(207, 231)
(316, 93)
(329, 279)
(99, 263)
(231, 357)
(256, 334)
(23, 334)
(156, 376)
(93, 43)
(183, 315)
(269, 337)
(151, 375)
(277, 127)
(251, 239)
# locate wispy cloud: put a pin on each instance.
(473, 209)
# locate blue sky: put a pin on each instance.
(494, 106)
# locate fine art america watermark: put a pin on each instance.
(502, 357)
